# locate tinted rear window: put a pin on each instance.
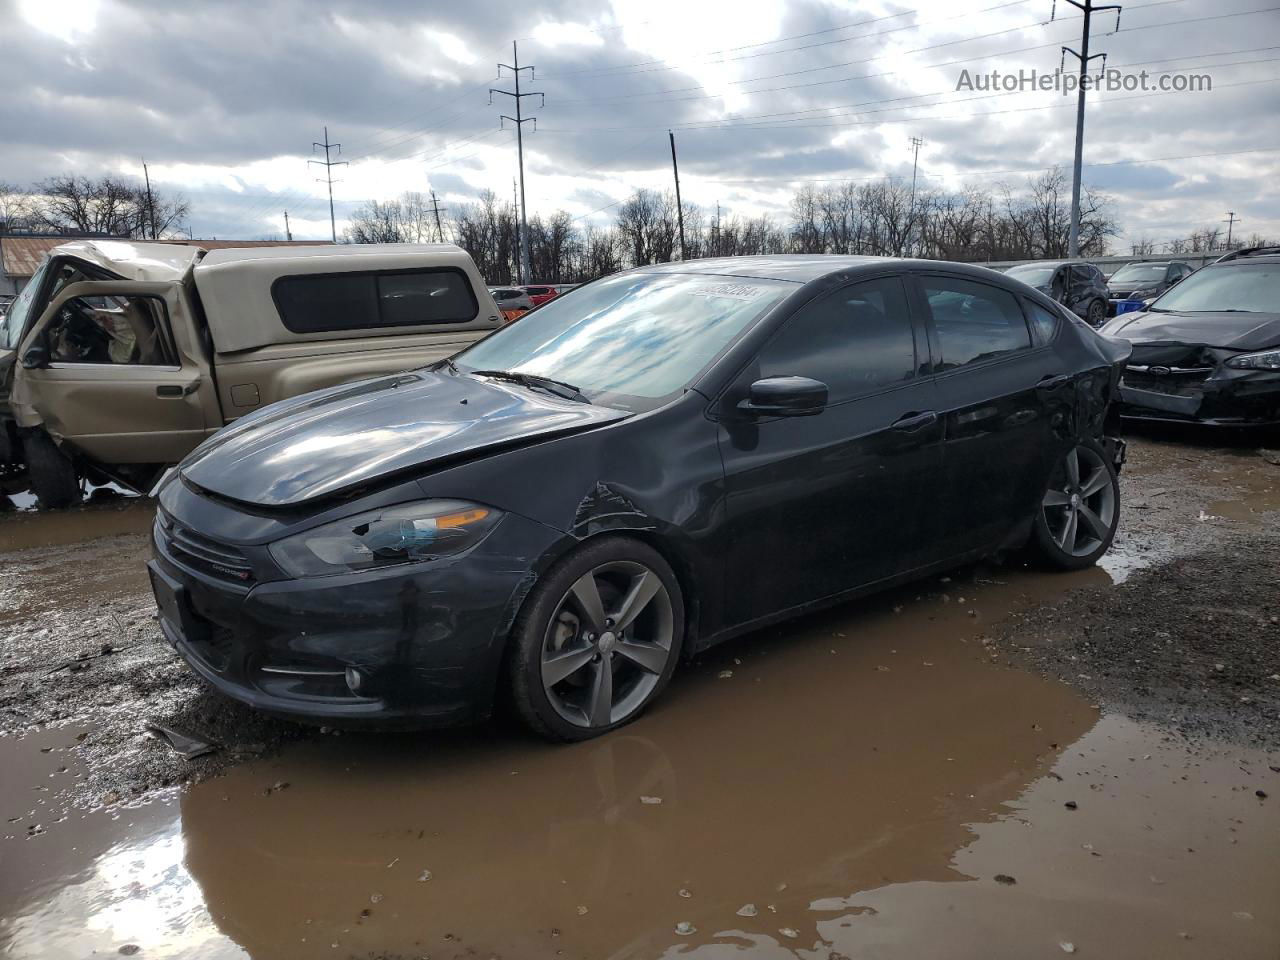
(321, 303)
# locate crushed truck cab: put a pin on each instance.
(119, 358)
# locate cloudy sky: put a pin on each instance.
(224, 100)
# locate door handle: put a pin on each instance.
(915, 421)
(1050, 382)
(176, 391)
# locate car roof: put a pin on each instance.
(804, 268)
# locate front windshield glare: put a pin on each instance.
(1248, 287)
(638, 335)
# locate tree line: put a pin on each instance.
(882, 218)
(108, 206)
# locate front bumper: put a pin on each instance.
(420, 644)
(1236, 400)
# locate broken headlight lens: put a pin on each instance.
(406, 533)
(1267, 360)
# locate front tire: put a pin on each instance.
(53, 476)
(1080, 511)
(1097, 314)
(597, 640)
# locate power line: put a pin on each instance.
(935, 46)
(1082, 55)
(519, 120)
(328, 175)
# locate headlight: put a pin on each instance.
(406, 533)
(1142, 294)
(1267, 360)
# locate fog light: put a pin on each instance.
(355, 679)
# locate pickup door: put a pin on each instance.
(103, 370)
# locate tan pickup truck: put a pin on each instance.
(118, 358)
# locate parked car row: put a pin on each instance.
(513, 301)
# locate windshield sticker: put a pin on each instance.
(730, 291)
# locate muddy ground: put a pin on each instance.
(995, 763)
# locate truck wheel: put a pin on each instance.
(53, 476)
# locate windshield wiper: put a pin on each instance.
(558, 387)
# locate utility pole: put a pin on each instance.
(1088, 8)
(519, 120)
(715, 233)
(151, 207)
(328, 165)
(916, 144)
(287, 232)
(1231, 221)
(675, 169)
(435, 208)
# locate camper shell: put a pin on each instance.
(120, 357)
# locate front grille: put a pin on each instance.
(1178, 381)
(203, 553)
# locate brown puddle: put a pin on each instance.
(860, 778)
(112, 516)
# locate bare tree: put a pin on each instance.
(17, 208)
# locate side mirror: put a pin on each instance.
(785, 397)
(36, 356)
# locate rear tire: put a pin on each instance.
(1080, 510)
(53, 476)
(1097, 314)
(597, 640)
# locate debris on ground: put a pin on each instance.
(184, 744)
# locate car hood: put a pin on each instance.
(331, 441)
(1232, 331)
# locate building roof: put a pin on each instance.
(23, 254)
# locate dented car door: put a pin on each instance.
(110, 361)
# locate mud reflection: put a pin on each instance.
(837, 757)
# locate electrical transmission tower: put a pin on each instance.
(1088, 8)
(328, 165)
(519, 120)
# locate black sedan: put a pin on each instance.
(1208, 351)
(653, 463)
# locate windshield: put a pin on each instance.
(12, 323)
(1246, 287)
(1032, 274)
(1140, 272)
(631, 339)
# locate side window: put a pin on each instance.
(124, 331)
(1043, 323)
(974, 321)
(324, 303)
(856, 341)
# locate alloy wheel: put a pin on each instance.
(1080, 505)
(608, 644)
(1097, 313)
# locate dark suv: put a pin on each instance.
(1078, 286)
(1135, 282)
